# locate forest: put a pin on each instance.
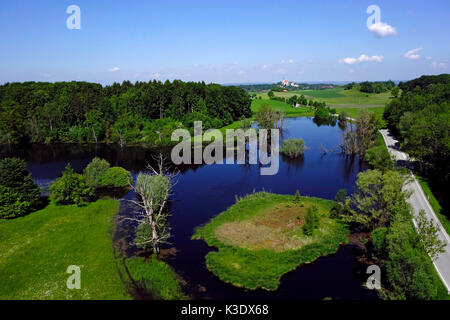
(420, 118)
(144, 112)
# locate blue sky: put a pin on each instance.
(223, 41)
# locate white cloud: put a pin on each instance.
(440, 65)
(411, 54)
(114, 69)
(382, 30)
(429, 58)
(288, 61)
(361, 58)
(156, 75)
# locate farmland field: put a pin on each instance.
(350, 101)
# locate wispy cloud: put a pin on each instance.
(412, 54)
(382, 30)
(362, 58)
(288, 61)
(440, 65)
(115, 69)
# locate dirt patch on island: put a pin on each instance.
(279, 228)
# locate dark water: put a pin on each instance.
(202, 192)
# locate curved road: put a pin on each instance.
(419, 201)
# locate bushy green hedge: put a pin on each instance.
(116, 177)
(18, 193)
(71, 188)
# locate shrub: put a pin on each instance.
(116, 177)
(343, 116)
(339, 204)
(312, 221)
(18, 193)
(297, 198)
(293, 148)
(71, 188)
(378, 158)
(379, 241)
(94, 172)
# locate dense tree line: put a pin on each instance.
(378, 207)
(124, 113)
(371, 87)
(376, 87)
(420, 118)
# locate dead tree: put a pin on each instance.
(153, 190)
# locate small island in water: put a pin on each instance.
(265, 235)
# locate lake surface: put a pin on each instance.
(201, 192)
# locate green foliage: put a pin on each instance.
(293, 148)
(18, 193)
(94, 172)
(143, 236)
(339, 203)
(154, 187)
(410, 273)
(376, 87)
(263, 268)
(297, 198)
(379, 242)
(420, 118)
(71, 188)
(379, 158)
(116, 177)
(265, 117)
(322, 115)
(81, 112)
(312, 221)
(378, 197)
(155, 277)
(342, 117)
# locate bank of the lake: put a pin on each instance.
(36, 250)
(260, 238)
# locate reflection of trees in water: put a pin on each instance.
(352, 164)
(325, 122)
(296, 163)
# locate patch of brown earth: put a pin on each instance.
(278, 229)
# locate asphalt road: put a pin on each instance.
(419, 201)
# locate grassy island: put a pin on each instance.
(262, 237)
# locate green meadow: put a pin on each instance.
(35, 251)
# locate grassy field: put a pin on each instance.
(36, 250)
(338, 96)
(281, 106)
(261, 237)
(350, 101)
